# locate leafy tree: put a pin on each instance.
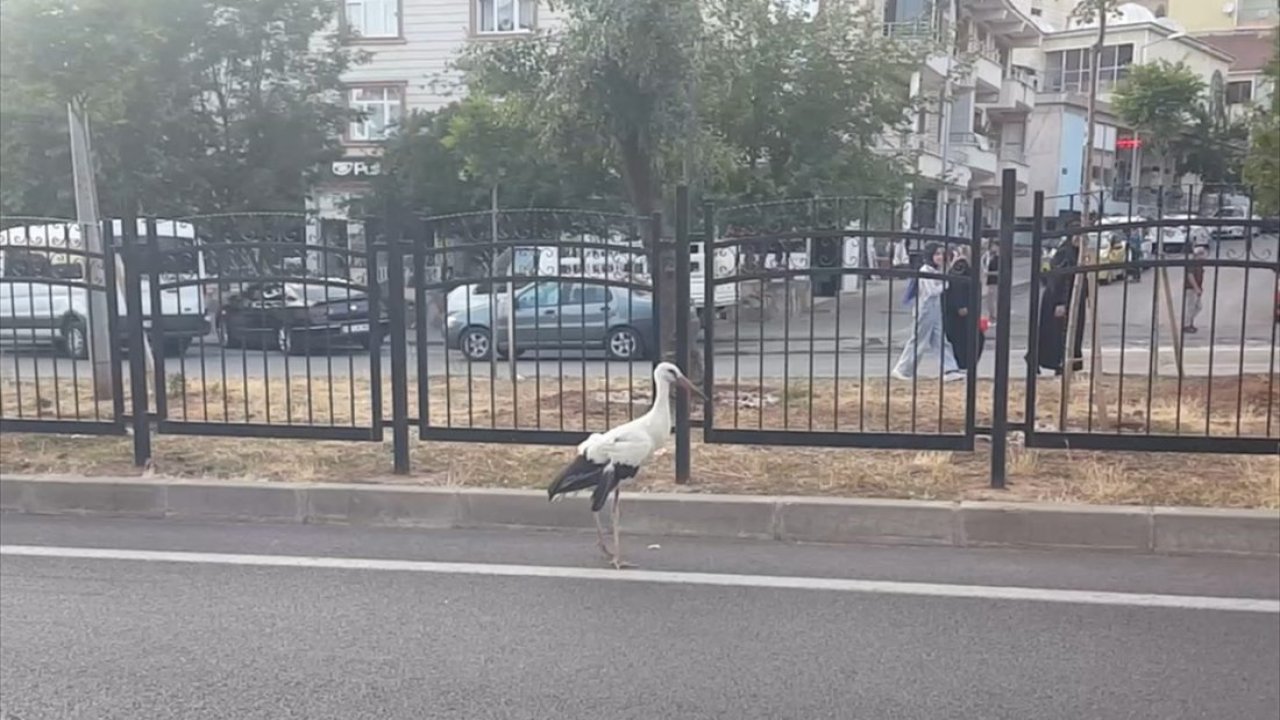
(1160, 101)
(195, 106)
(1262, 169)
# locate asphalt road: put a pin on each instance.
(537, 637)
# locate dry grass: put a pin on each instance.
(1034, 475)
(1246, 406)
(1061, 476)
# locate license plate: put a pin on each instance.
(356, 328)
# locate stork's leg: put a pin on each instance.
(600, 542)
(617, 532)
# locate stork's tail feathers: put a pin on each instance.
(580, 475)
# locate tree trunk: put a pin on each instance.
(638, 175)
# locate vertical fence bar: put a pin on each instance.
(976, 274)
(151, 266)
(1033, 332)
(112, 280)
(420, 331)
(683, 302)
(137, 344)
(708, 318)
(374, 233)
(399, 356)
(1004, 311)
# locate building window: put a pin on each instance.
(372, 18)
(1239, 92)
(1254, 12)
(505, 16)
(380, 106)
(1068, 70)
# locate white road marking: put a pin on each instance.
(1027, 594)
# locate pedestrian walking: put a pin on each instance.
(928, 338)
(1051, 343)
(956, 313)
(1193, 291)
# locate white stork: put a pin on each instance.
(605, 460)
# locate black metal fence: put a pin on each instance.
(798, 318)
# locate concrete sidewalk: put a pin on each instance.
(794, 519)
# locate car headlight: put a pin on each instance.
(453, 321)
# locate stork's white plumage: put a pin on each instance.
(604, 460)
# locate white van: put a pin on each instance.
(34, 310)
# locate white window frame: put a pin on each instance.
(1110, 71)
(524, 17)
(360, 131)
(356, 15)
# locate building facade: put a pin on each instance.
(1058, 127)
(411, 46)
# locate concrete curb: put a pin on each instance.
(797, 519)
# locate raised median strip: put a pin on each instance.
(794, 519)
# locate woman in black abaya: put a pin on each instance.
(1052, 340)
(956, 311)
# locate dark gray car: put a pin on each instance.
(556, 315)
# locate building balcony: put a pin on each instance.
(1017, 97)
(988, 73)
(975, 152)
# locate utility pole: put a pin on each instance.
(86, 197)
(1082, 255)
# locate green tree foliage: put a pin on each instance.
(750, 98)
(194, 106)
(1262, 169)
(1160, 101)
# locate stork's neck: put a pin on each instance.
(659, 416)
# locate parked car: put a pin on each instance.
(1278, 306)
(297, 317)
(43, 302)
(1174, 239)
(1232, 232)
(556, 315)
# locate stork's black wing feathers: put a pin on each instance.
(610, 478)
(579, 475)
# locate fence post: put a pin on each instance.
(137, 343)
(1033, 332)
(683, 304)
(399, 355)
(151, 267)
(708, 318)
(373, 241)
(1004, 312)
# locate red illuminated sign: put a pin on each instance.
(1128, 143)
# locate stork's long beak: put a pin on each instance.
(685, 383)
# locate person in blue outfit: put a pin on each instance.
(928, 339)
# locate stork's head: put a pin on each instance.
(666, 375)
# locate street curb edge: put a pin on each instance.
(1134, 529)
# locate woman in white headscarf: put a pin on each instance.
(928, 338)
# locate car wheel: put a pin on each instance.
(476, 343)
(75, 339)
(624, 344)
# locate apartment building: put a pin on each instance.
(976, 101)
(1057, 129)
(411, 45)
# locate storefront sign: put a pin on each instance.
(354, 169)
